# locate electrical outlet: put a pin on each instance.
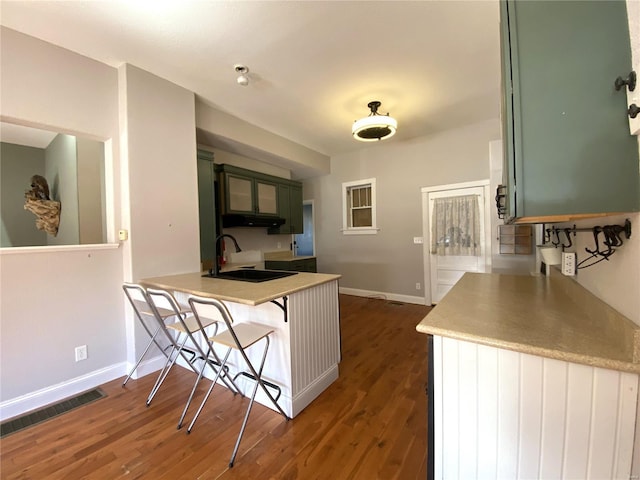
(418, 286)
(569, 263)
(81, 353)
(418, 240)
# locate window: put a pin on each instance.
(359, 207)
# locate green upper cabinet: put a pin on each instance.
(567, 145)
(290, 208)
(247, 192)
(207, 206)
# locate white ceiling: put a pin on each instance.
(314, 65)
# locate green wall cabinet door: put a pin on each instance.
(290, 208)
(247, 192)
(207, 207)
(295, 195)
(567, 145)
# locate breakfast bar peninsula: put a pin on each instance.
(302, 309)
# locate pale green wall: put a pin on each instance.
(17, 164)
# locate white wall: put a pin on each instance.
(91, 198)
(160, 170)
(53, 300)
(259, 142)
(389, 261)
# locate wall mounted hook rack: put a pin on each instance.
(612, 238)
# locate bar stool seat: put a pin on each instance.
(238, 337)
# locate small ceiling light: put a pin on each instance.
(374, 127)
(243, 78)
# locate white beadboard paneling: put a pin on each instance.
(627, 403)
(578, 422)
(603, 433)
(468, 390)
(530, 416)
(525, 416)
(554, 394)
(451, 414)
(509, 413)
(438, 408)
(488, 406)
(315, 331)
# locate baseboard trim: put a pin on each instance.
(54, 393)
(309, 394)
(385, 295)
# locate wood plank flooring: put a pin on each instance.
(369, 424)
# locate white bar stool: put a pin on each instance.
(237, 337)
(152, 324)
(182, 331)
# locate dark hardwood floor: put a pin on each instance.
(369, 424)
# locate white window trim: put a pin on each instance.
(373, 229)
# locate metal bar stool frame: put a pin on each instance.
(254, 373)
(141, 313)
(178, 348)
(208, 357)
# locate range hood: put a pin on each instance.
(237, 220)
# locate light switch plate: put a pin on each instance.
(418, 240)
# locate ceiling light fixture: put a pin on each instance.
(243, 78)
(374, 127)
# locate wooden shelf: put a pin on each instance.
(515, 239)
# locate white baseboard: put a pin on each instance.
(312, 391)
(54, 393)
(385, 295)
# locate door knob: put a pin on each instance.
(630, 82)
(634, 110)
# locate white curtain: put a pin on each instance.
(455, 226)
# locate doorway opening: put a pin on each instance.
(304, 244)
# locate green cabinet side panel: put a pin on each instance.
(297, 223)
(206, 206)
(570, 150)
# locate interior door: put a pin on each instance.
(446, 270)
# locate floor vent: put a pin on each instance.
(39, 416)
(395, 303)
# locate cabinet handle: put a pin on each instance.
(630, 82)
(634, 110)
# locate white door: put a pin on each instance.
(443, 271)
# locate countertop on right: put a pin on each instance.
(552, 316)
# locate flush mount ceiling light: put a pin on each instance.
(243, 78)
(374, 127)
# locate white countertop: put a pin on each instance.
(552, 317)
(248, 293)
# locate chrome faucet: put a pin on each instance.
(216, 267)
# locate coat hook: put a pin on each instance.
(567, 232)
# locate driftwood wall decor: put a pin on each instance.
(47, 211)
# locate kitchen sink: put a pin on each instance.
(249, 275)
